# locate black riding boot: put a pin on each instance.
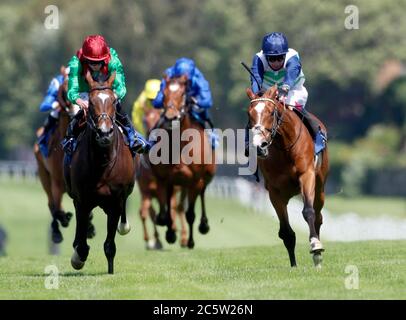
(72, 133)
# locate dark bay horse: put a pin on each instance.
(101, 173)
(192, 177)
(50, 169)
(148, 186)
(286, 160)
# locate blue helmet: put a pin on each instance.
(275, 44)
(184, 66)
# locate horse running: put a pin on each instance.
(101, 173)
(193, 177)
(287, 162)
(148, 186)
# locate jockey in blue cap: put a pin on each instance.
(50, 103)
(278, 64)
(199, 94)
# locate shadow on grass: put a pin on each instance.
(70, 274)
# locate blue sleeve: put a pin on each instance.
(201, 90)
(293, 68)
(258, 71)
(158, 102)
(51, 96)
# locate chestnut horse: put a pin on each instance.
(50, 169)
(287, 162)
(101, 172)
(193, 177)
(148, 186)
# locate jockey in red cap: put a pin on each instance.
(96, 56)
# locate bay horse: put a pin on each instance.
(148, 186)
(193, 177)
(101, 172)
(286, 159)
(50, 169)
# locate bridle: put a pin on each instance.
(276, 123)
(103, 116)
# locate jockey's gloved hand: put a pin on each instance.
(191, 100)
(283, 92)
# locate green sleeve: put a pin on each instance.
(119, 82)
(73, 82)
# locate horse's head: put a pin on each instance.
(175, 97)
(102, 109)
(264, 115)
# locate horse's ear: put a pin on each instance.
(111, 79)
(273, 91)
(250, 94)
(167, 78)
(90, 80)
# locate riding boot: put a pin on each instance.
(69, 142)
(314, 124)
(247, 141)
(49, 123)
(136, 142)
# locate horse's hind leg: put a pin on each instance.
(144, 213)
(171, 230)
(152, 214)
(109, 244)
(58, 189)
(204, 222)
(285, 231)
(45, 179)
(318, 205)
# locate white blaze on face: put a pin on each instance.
(258, 137)
(103, 96)
(174, 87)
(104, 128)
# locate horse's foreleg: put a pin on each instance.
(181, 212)
(58, 189)
(113, 216)
(81, 249)
(144, 213)
(318, 205)
(286, 233)
(190, 214)
(161, 218)
(170, 232)
(157, 245)
(124, 226)
(204, 222)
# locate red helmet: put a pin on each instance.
(95, 48)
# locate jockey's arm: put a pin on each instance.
(73, 81)
(158, 102)
(203, 93)
(293, 68)
(257, 69)
(51, 96)
(119, 82)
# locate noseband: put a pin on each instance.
(277, 119)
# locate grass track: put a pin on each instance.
(241, 258)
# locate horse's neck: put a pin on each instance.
(102, 157)
(290, 129)
(63, 122)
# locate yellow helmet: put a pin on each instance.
(152, 88)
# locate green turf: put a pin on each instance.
(241, 258)
(368, 206)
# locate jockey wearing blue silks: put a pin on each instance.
(198, 89)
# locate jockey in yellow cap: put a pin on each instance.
(144, 101)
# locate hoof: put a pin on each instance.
(63, 218)
(75, 261)
(91, 231)
(190, 244)
(57, 237)
(204, 228)
(123, 228)
(315, 245)
(183, 243)
(317, 259)
(153, 245)
(170, 236)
